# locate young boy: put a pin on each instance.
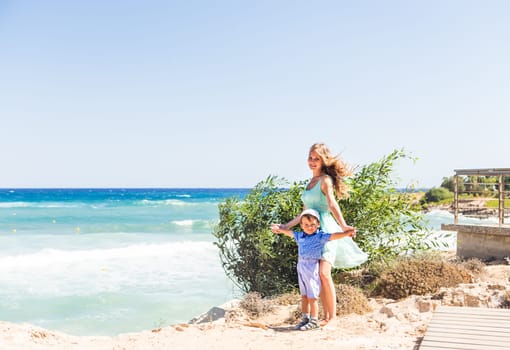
(310, 244)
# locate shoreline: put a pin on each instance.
(469, 208)
(369, 331)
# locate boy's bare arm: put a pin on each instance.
(277, 228)
(340, 235)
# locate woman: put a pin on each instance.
(328, 172)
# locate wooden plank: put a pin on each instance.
(476, 323)
(452, 327)
(432, 345)
(472, 340)
(468, 328)
(472, 318)
(503, 314)
(466, 331)
(503, 318)
(471, 310)
(483, 172)
(482, 312)
(500, 327)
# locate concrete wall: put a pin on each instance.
(483, 242)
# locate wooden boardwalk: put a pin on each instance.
(468, 328)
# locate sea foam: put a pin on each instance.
(82, 272)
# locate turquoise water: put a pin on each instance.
(110, 261)
(448, 239)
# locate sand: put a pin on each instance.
(392, 324)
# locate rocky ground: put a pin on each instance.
(391, 325)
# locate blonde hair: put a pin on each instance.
(335, 167)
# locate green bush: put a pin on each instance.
(257, 260)
(438, 194)
(387, 221)
(253, 257)
(449, 183)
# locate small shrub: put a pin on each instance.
(474, 265)
(255, 306)
(438, 194)
(352, 277)
(449, 184)
(253, 257)
(419, 277)
(287, 299)
(351, 300)
(295, 316)
(234, 316)
(505, 304)
(365, 276)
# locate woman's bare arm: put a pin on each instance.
(292, 222)
(327, 189)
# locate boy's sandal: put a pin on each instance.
(301, 324)
(310, 325)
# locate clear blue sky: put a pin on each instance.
(224, 93)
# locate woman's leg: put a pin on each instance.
(328, 295)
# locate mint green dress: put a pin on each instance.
(341, 253)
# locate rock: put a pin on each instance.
(471, 300)
(477, 295)
(214, 314)
(424, 305)
(387, 311)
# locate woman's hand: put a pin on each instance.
(350, 228)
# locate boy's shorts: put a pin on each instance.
(308, 277)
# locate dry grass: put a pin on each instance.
(295, 315)
(351, 300)
(404, 277)
(475, 266)
(255, 306)
(287, 299)
(505, 304)
(420, 276)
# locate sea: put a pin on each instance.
(111, 261)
